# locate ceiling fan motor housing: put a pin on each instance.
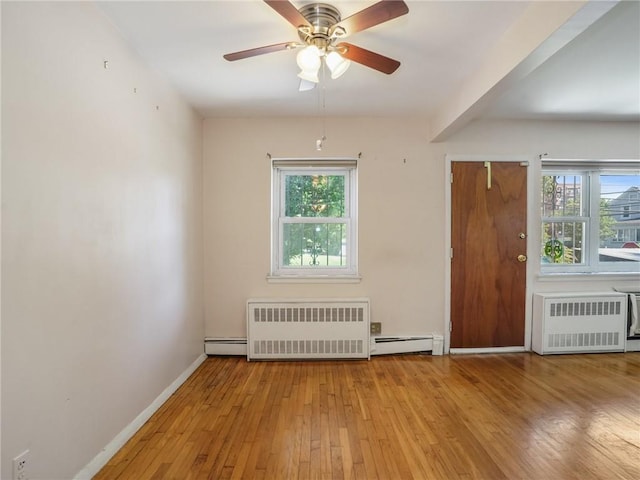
(322, 18)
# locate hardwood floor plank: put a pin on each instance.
(410, 416)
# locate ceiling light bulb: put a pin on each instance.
(337, 64)
(309, 58)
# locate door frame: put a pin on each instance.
(532, 245)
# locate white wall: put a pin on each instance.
(101, 236)
(401, 202)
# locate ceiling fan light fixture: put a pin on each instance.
(337, 64)
(306, 85)
(309, 61)
(319, 26)
(309, 76)
(308, 58)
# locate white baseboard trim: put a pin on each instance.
(462, 351)
(225, 346)
(100, 460)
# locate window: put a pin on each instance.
(590, 217)
(314, 225)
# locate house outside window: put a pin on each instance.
(314, 218)
(590, 217)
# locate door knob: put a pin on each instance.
(522, 258)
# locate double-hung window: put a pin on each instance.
(590, 217)
(314, 218)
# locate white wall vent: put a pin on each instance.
(579, 322)
(307, 329)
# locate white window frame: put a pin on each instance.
(280, 169)
(591, 172)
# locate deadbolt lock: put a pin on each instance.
(522, 258)
(522, 235)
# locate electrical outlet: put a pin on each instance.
(375, 328)
(21, 466)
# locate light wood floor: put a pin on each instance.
(516, 416)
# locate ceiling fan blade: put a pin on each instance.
(368, 58)
(289, 12)
(252, 52)
(374, 15)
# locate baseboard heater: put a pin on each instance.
(280, 329)
(579, 322)
(225, 346)
(236, 346)
(393, 345)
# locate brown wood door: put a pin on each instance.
(488, 279)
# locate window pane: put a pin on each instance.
(562, 242)
(314, 245)
(562, 196)
(314, 196)
(619, 218)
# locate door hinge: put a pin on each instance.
(450, 327)
(451, 252)
(451, 177)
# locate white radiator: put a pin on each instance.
(579, 322)
(307, 329)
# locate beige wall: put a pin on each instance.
(402, 204)
(101, 236)
(401, 211)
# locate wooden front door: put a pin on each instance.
(488, 264)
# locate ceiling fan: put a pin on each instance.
(321, 28)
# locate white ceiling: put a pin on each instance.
(595, 77)
(442, 46)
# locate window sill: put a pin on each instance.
(588, 276)
(314, 279)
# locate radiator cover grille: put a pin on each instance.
(305, 329)
(287, 348)
(306, 314)
(575, 323)
(584, 308)
(587, 340)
